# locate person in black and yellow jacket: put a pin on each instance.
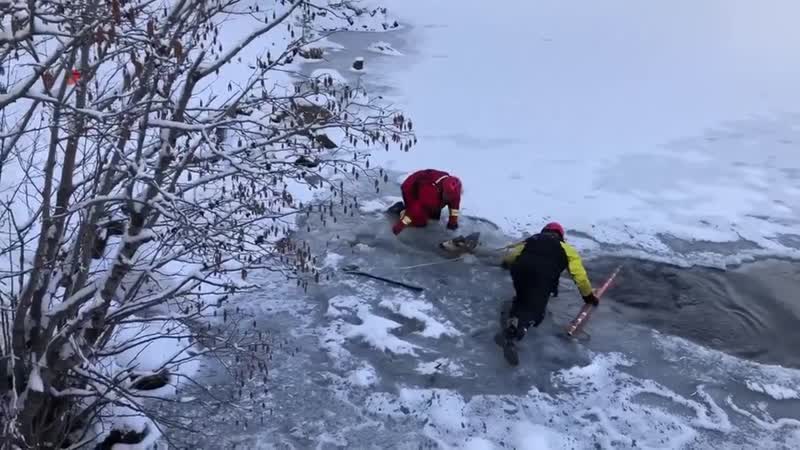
(536, 265)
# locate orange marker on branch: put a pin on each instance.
(74, 77)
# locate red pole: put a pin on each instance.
(583, 315)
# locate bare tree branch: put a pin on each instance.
(137, 194)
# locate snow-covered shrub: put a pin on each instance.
(152, 154)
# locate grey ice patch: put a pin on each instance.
(791, 173)
(788, 240)
(685, 247)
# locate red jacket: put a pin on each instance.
(423, 199)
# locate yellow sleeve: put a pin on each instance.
(513, 254)
(576, 269)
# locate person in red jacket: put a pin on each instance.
(425, 193)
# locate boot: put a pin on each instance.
(508, 346)
(510, 353)
(507, 338)
(396, 209)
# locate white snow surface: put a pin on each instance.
(376, 205)
(775, 391)
(376, 330)
(124, 418)
(332, 74)
(154, 345)
(478, 444)
(364, 376)
(420, 310)
(441, 365)
(332, 260)
(621, 119)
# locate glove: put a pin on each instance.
(398, 227)
(591, 299)
(452, 223)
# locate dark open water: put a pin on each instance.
(752, 311)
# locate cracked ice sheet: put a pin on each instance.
(377, 332)
(371, 328)
(776, 391)
(599, 405)
(423, 311)
(380, 333)
(441, 365)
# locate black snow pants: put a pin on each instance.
(530, 303)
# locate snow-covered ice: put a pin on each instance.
(383, 48)
(376, 330)
(478, 444)
(364, 376)
(623, 120)
(332, 260)
(441, 365)
(420, 310)
(775, 391)
(376, 204)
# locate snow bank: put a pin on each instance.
(144, 349)
(126, 419)
(153, 345)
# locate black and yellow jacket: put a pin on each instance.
(547, 255)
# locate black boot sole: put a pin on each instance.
(509, 349)
(500, 340)
(396, 209)
(510, 353)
